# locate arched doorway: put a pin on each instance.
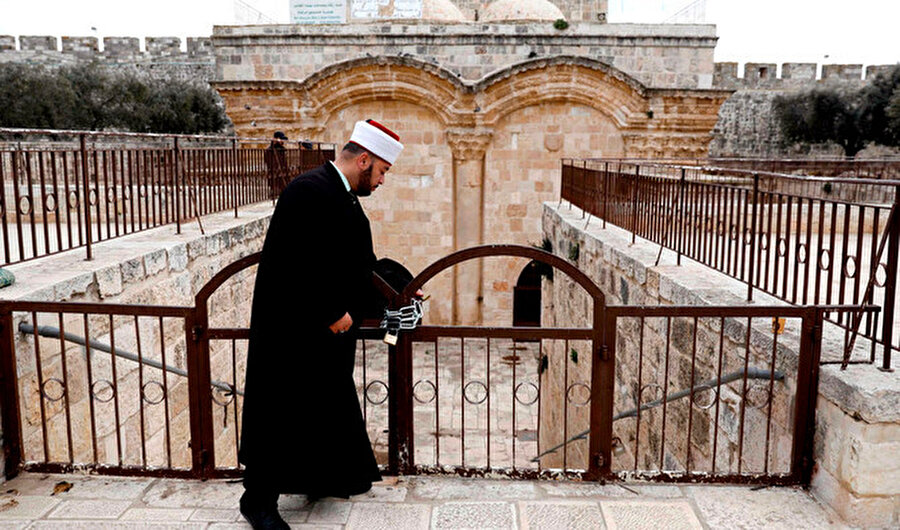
(527, 297)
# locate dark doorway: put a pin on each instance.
(527, 297)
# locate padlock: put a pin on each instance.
(390, 337)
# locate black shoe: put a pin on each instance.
(263, 517)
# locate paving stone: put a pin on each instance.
(13, 525)
(26, 506)
(482, 515)
(118, 525)
(371, 516)
(172, 493)
(584, 489)
(439, 488)
(382, 494)
(157, 514)
(623, 515)
(669, 491)
(83, 487)
(92, 509)
(560, 514)
(214, 515)
(741, 507)
(329, 512)
(293, 502)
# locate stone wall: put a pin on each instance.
(156, 268)
(858, 422)
(161, 57)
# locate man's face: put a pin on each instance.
(372, 176)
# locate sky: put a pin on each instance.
(820, 31)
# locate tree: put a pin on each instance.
(88, 96)
(849, 118)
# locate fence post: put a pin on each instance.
(177, 173)
(806, 396)
(605, 192)
(634, 193)
(199, 396)
(753, 216)
(890, 282)
(235, 172)
(401, 452)
(86, 181)
(603, 373)
(681, 184)
(9, 397)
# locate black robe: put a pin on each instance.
(303, 430)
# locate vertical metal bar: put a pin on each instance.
(165, 384)
(489, 403)
(634, 195)
(820, 237)
(98, 196)
(462, 402)
(831, 253)
(401, 452)
(565, 405)
(32, 220)
(845, 243)
(605, 193)
(65, 378)
(106, 193)
(40, 376)
(140, 354)
(753, 237)
(718, 393)
(365, 384)
(43, 206)
(199, 381)
(512, 365)
(115, 383)
(662, 443)
(603, 370)
(890, 289)
(18, 198)
(806, 395)
(771, 397)
(9, 394)
(777, 243)
(808, 257)
(89, 361)
(539, 385)
(691, 404)
(176, 154)
(680, 225)
(873, 270)
(740, 454)
(234, 398)
(86, 184)
(4, 208)
(56, 201)
(640, 387)
(437, 410)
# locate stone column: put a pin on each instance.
(468, 147)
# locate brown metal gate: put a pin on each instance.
(157, 390)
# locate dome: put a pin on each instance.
(441, 11)
(500, 10)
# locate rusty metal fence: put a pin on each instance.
(804, 248)
(664, 393)
(61, 190)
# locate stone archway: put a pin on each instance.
(469, 122)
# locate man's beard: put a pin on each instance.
(364, 184)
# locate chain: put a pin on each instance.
(405, 318)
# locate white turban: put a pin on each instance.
(378, 139)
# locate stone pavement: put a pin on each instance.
(29, 501)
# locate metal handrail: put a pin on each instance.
(752, 373)
(53, 333)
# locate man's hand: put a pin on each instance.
(342, 325)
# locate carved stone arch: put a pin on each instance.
(385, 78)
(572, 79)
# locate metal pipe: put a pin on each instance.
(752, 373)
(53, 333)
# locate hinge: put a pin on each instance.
(604, 353)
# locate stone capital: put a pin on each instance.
(469, 144)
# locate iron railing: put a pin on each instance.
(61, 190)
(801, 248)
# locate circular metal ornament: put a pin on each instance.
(659, 392)
(126, 193)
(97, 390)
(223, 397)
(720, 228)
(570, 394)
(429, 384)
(110, 195)
(850, 267)
(825, 259)
(757, 396)
(46, 394)
(881, 275)
(50, 202)
(162, 392)
(24, 205)
(92, 197)
(748, 237)
(733, 232)
(526, 385)
(477, 384)
(369, 391)
(802, 253)
(73, 200)
(142, 191)
(764, 241)
(782, 247)
(712, 392)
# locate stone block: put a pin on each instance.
(846, 72)
(80, 45)
(42, 43)
(93, 509)
(70, 287)
(163, 46)
(178, 257)
(799, 71)
(109, 281)
(647, 514)
(388, 516)
(7, 43)
(199, 46)
(133, 270)
(495, 515)
(155, 262)
(121, 46)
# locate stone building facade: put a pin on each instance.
(486, 110)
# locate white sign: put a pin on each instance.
(318, 11)
(380, 9)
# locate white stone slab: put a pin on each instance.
(388, 516)
(560, 514)
(742, 507)
(89, 509)
(481, 515)
(330, 512)
(177, 493)
(215, 515)
(157, 514)
(441, 488)
(25, 506)
(639, 514)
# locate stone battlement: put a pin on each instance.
(793, 75)
(114, 48)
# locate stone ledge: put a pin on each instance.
(861, 391)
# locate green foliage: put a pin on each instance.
(560, 24)
(544, 364)
(90, 97)
(849, 118)
(574, 355)
(574, 252)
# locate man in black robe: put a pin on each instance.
(303, 430)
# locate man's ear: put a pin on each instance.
(362, 159)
